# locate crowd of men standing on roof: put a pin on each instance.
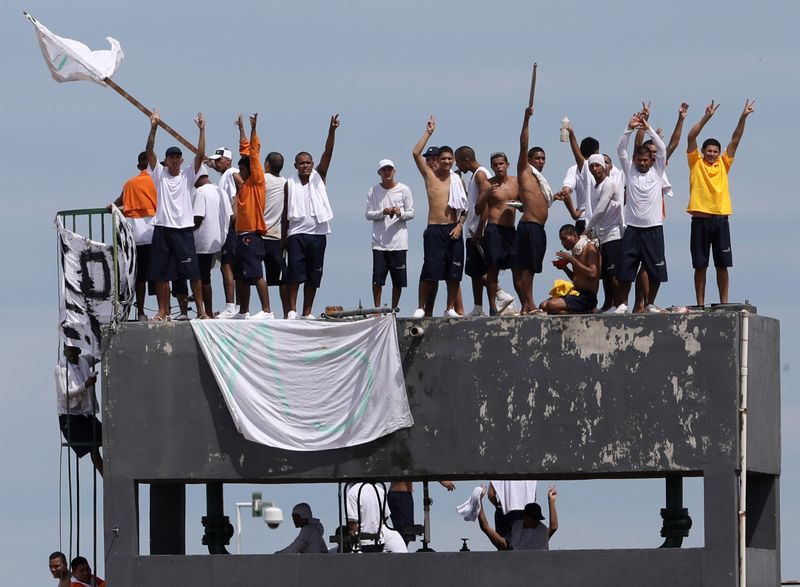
(267, 230)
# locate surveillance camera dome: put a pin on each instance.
(273, 516)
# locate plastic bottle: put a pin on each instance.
(564, 127)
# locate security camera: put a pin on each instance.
(273, 516)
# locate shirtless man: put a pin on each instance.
(498, 233)
(529, 246)
(585, 275)
(442, 240)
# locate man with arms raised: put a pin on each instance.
(306, 223)
(530, 243)
(172, 252)
(585, 274)
(498, 231)
(710, 202)
(447, 211)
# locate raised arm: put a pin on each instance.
(739, 130)
(576, 149)
(151, 140)
(551, 500)
(661, 149)
(416, 152)
(675, 139)
(256, 167)
(239, 123)
(495, 538)
(622, 147)
(691, 138)
(200, 121)
(325, 161)
(522, 159)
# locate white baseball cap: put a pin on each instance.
(385, 163)
(221, 152)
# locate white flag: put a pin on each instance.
(308, 385)
(70, 60)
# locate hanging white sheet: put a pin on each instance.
(308, 385)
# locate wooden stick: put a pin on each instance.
(149, 113)
(533, 85)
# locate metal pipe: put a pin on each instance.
(416, 331)
(743, 373)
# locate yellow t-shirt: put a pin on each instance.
(708, 185)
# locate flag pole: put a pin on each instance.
(113, 85)
(533, 85)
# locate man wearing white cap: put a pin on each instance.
(311, 539)
(389, 206)
(221, 161)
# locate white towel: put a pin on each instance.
(582, 242)
(470, 509)
(458, 196)
(547, 191)
(320, 206)
(514, 495)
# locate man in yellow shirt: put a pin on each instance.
(710, 202)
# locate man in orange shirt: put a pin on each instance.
(710, 202)
(138, 203)
(250, 226)
(82, 574)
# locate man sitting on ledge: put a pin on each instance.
(528, 533)
(310, 539)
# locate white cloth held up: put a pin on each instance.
(318, 205)
(470, 509)
(458, 196)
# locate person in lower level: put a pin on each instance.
(311, 538)
(528, 533)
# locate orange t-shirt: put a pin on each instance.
(139, 196)
(252, 196)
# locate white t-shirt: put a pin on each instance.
(471, 224)
(372, 520)
(389, 233)
(227, 184)
(580, 188)
(212, 204)
(606, 221)
(273, 209)
(81, 398)
(643, 198)
(308, 224)
(174, 205)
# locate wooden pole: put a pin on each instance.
(149, 113)
(533, 85)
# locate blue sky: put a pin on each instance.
(385, 67)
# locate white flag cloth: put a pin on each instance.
(70, 60)
(308, 385)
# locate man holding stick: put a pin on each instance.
(172, 254)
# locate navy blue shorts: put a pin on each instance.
(248, 258)
(529, 247)
(444, 257)
(84, 430)
(205, 261)
(610, 253)
(711, 233)
(172, 255)
(306, 257)
(274, 263)
(394, 262)
(474, 266)
(645, 246)
(142, 262)
(228, 252)
(401, 508)
(497, 242)
(584, 303)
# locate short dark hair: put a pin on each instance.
(300, 154)
(78, 561)
(568, 228)
(58, 554)
(713, 142)
(641, 150)
(275, 162)
(534, 150)
(466, 152)
(444, 149)
(142, 163)
(244, 161)
(589, 146)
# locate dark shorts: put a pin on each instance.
(248, 258)
(228, 252)
(401, 507)
(645, 246)
(172, 255)
(474, 266)
(179, 288)
(610, 253)
(584, 303)
(85, 431)
(497, 242)
(711, 233)
(274, 263)
(444, 257)
(529, 247)
(306, 257)
(393, 262)
(142, 262)
(205, 261)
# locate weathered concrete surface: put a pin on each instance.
(555, 397)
